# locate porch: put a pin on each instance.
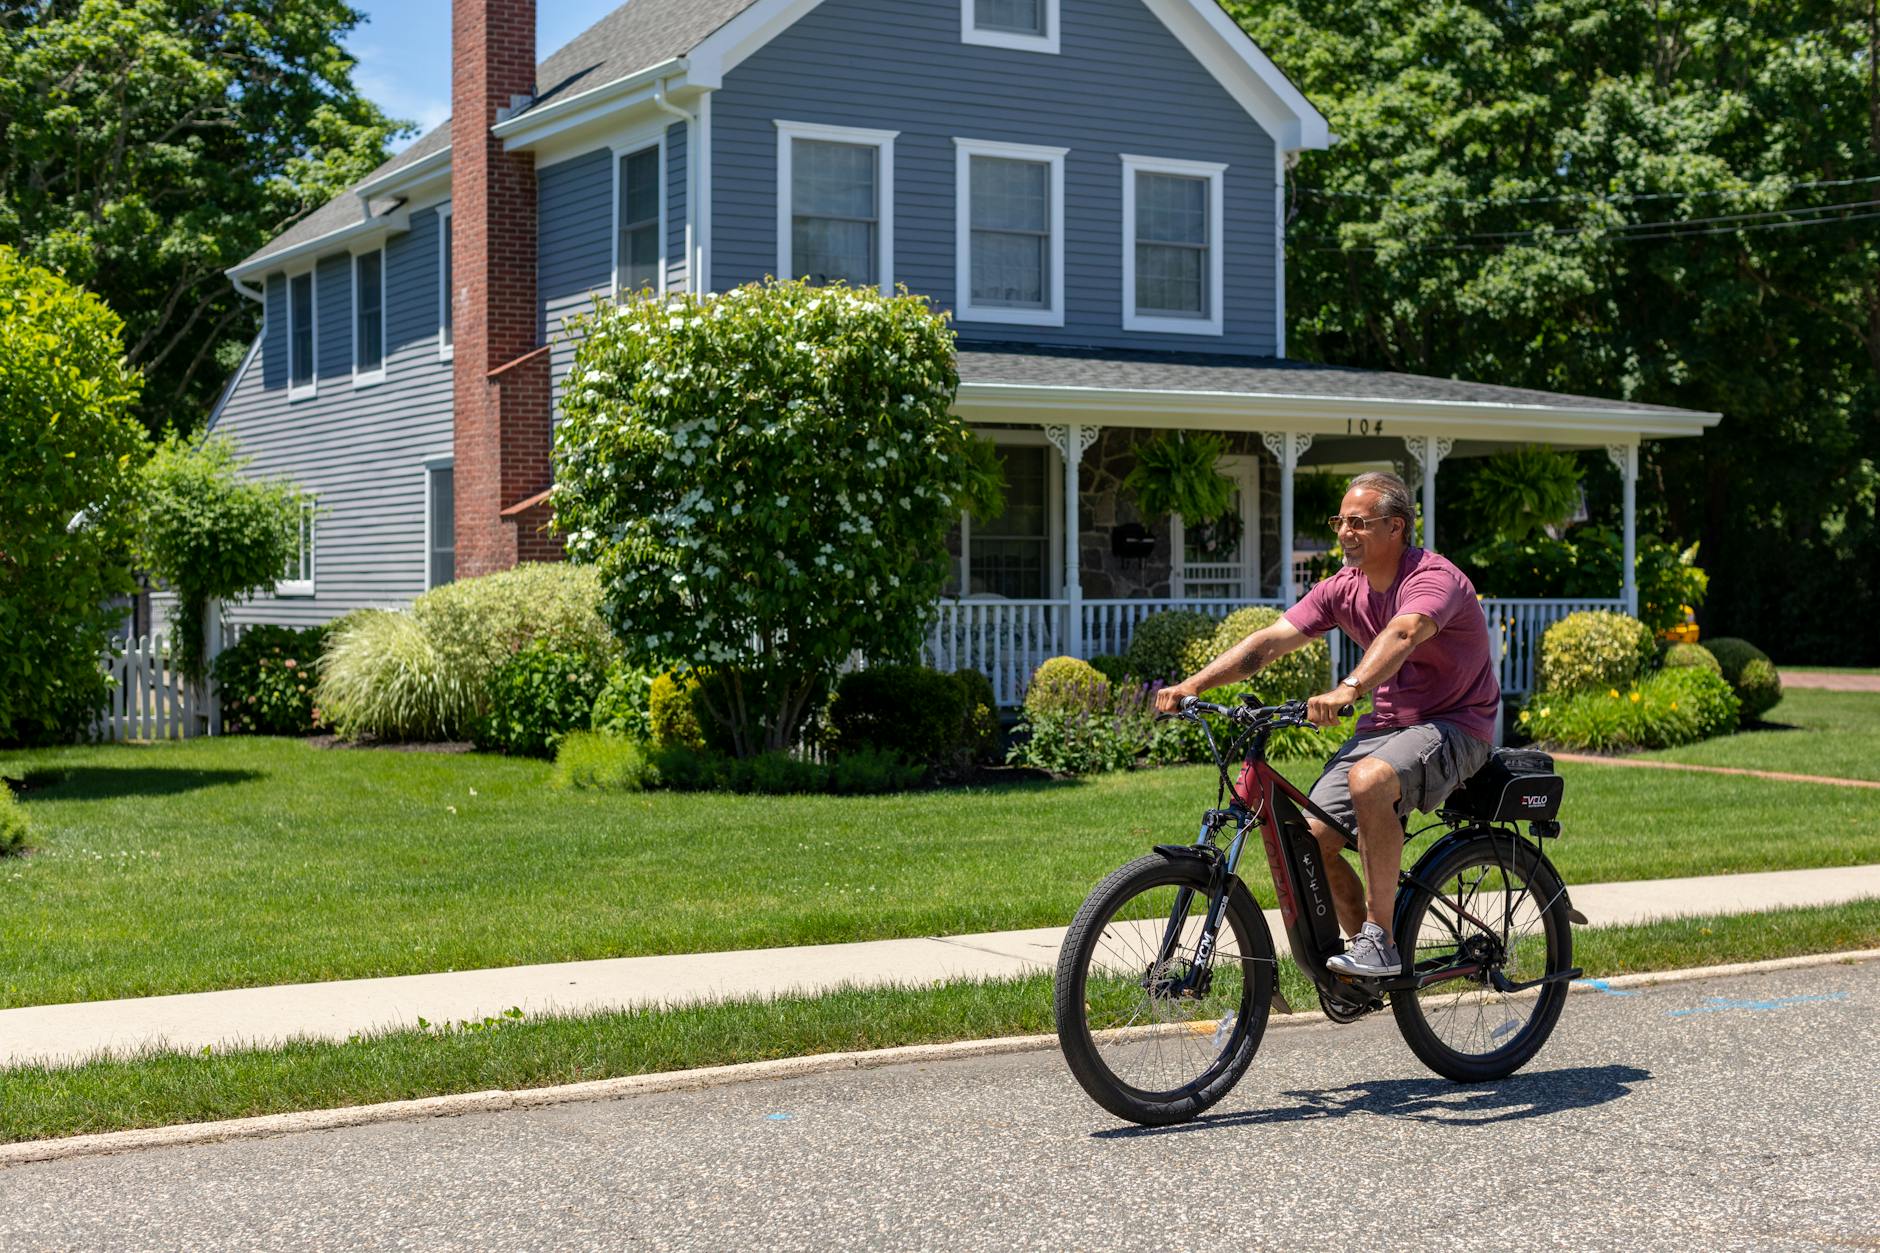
(1071, 568)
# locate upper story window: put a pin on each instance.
(302, 336)
(445, 320)
(369, 317)
(1027, 25)
(1172, 251)
(1009, 233)
(640, 261)
(297, 579)
(835, 204)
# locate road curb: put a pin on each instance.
(712, 1077)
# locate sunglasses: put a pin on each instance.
(1338, 522)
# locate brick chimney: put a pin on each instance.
(501, 371)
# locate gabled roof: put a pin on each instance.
(642, 34)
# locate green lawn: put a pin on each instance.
(240, 862)
(155, 1090)
(1811, 731)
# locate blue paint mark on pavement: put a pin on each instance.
(778, 1117)
(1724, 1004)
(1600, 985)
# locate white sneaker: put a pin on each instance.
(1369, 957)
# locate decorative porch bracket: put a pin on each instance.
(1429, 451)
(1287, 447)
(1072, 442)
(1625, 456)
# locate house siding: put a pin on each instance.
(361, 451)
(1122, 83)
(575, 244)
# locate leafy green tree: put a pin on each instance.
(766, 479)
(68, 477)
(211, 534)
(1665, 203)
(148, 145)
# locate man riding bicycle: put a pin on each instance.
(1435, 696)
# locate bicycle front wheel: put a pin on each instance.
(1493, 905)
(1155, 1030)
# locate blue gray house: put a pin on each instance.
(1094, 188)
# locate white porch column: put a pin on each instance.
(1287, 447)
(1625, 456)
(1429, 450)
(1072, 442)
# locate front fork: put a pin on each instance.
(1220, 874)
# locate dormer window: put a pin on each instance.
(1027, 25)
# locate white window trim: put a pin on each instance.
(964, 309)
(310, 535)
(1047, 42)
(446, 348)
(883, 142)
(620, 152)
(1053, 512)
(1213, 323)
(311, 388)
(427, 531)
(370, 378)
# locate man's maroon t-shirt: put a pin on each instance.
(1449, 676)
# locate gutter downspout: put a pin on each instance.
(253, 293)
(692, 131)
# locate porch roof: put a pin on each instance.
(1029, 384)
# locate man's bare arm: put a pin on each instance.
(1381, 660)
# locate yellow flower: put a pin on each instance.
(1524, 715)
(1615, 693)
(1546, 709)
(1674, 704)
(1635, 698)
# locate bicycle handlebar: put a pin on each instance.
(1290, 714)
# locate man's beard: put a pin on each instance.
(1344, 556)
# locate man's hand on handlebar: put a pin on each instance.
(1327, 709)
(1168, 700)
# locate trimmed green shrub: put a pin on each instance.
(980, 739)
(477, 624)
(869, 771)
(1665, 709)
(1067, 685)
(1113, 667)
(69, 450)
(1750, 673)
(381, 676)
(1299, 674)
(916, 712)
(1161, 641)
(268, 679)
(1594, 651)
(15, 826)
(669, 713)
(681, 768)
(589, 760)
(1678, 656)
(622, 708)
(535, 697)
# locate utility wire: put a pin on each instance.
(1620, 236)
(1578, 197)
(1617, 228)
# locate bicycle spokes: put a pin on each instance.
(1483, 921)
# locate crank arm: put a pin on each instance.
(1501, 984)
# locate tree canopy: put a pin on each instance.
(148, 145)
(1670, 203)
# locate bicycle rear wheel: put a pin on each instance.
(1146, 1041)
(1496, 904)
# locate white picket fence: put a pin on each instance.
(150, 699)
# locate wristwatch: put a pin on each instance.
(1357, 688)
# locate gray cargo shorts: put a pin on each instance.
(1431, 759)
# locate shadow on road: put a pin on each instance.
(1531, 1094)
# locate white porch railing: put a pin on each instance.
(1007, 639)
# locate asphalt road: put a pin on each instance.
(1738, 1113)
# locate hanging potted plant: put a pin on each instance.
(1175, 474)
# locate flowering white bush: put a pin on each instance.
(765, 479)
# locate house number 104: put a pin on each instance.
(1364, 426)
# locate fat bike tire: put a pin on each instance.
(1463, 1029)
(1153, 1058)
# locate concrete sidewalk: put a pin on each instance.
(334, 1011)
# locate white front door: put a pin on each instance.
(1212, 563)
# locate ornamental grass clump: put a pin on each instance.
(764, 479)
(382, 676)
(1595, 650)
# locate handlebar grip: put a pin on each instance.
(1344, 711)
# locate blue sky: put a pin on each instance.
(403, 50)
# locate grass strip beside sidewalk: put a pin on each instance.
(161, 1089)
